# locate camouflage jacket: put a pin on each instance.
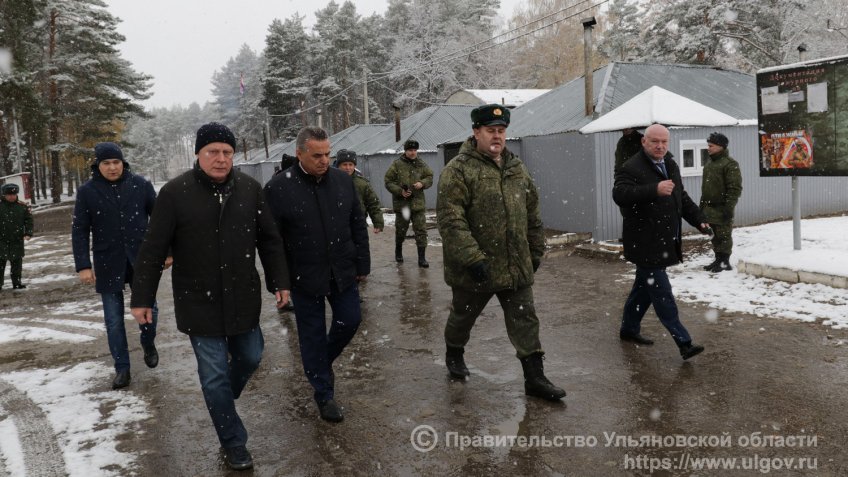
(369, 203)
(405, 172)
(15, 224)
(721, 187)
(492, 214)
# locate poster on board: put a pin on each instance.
(803, 118)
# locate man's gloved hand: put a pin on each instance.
(536, 263)
(479, 271)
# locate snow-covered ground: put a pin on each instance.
(62, 420)
(823, 249)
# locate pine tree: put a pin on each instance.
(620, 38)
(90, 89)
(285, 84)
(240, 110)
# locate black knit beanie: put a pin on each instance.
(213, 132)
(107, 150)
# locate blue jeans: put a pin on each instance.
(116, 334)
(651, 287)
(224, 365)
(318, 349)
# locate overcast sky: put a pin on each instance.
(182, 42)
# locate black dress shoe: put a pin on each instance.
(330, 411)
(635, 338)
(18, 286)
(151, 356)
(238, 458)
(122, 379)
(689, 350)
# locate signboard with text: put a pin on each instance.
(803, 118)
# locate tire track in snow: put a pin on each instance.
(42, 454)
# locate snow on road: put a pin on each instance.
(823, 249)
(84, 423)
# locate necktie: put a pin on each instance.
(661, 167)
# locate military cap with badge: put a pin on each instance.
(489, 115)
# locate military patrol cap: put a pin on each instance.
(345, 156)
(489, 115)
(10, 189)
(410, 144)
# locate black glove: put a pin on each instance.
(536, 263)
(707, 230)
(479, 271)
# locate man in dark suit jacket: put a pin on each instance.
(113, 207)
(326, 239)
(649, 191)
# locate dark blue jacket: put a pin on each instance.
(324, 230)
(115, 215)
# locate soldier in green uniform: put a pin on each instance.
(368, 200)
(491, 228)
(15, 227)
(720, 190)
(406, 179)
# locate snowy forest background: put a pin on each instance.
(65, 86)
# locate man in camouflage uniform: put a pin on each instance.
(720, 190)
(369, 203)
(491, 228)
(406, 179)
(15, 227)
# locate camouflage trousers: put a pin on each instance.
(419, 226)
(522, 325)
(722, 238)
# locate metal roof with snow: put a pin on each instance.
(507, 97)
(341, 140)
(431, 126)
(656, 105)
(562, 109)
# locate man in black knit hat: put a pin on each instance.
(214, 219)
(112, 210)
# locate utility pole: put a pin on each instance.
(17, 140)
(589, 99)
(365, 96)
(796, 187)
(267, 132)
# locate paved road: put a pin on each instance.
(758, 377)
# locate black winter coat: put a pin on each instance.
(323, 228)
(213, 231)
(112, 217)
(652, 224)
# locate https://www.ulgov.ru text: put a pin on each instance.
(687, 461)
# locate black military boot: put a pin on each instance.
(456, 363)
(422, 262)
(723, 264)
(535, 382)
(398, 251)
(712, 264)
